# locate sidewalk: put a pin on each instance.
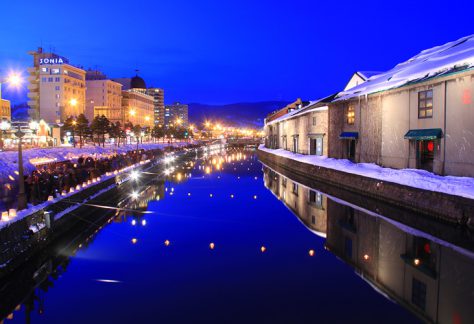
(458, 186)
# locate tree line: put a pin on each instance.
(101, 128)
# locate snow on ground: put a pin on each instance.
(9, 159)
(34, 208)
(459, 186)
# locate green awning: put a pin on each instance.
(424, 134)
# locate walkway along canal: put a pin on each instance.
(221, 238)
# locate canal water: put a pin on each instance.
(225, 239)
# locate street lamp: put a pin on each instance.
(21, 181)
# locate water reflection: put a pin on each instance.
(431, 277)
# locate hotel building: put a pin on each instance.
(56, 89)
(103, 97)
(137, 108)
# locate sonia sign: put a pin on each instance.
(51, 60)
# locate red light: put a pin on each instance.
(427, 248)
(430, 146)
(466, 97)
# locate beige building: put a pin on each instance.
(5, 109)
(57, 89)
(138, 108)
(307, 204)
(302, 129)
(425, 125)
(103, 97)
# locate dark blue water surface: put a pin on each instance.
(114, 280)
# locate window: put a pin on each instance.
(314, 121)
(43, 79)
(57, 79)
(54, 71)
(313, 219)
(295, 188)
(425, 104)
(350, 115)
(50, 79)
(418, 293)
(56, 88)
(283, 182)
(316, 198)
(44, 69)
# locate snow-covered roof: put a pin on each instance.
(368, 74)
(452, 56)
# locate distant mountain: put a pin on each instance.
(247, 114)
(20, 111)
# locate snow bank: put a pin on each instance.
(429, 63)
(9, 159)
(459, 186)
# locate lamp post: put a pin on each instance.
(34, 126)
(74, 123)
(21, 179)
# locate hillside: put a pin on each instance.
(248, 114)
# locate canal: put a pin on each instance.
(222, 238)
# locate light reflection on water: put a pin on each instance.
(217, 248)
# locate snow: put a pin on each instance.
(429, 63)
(458, 186)
(9, 159)
(297, 112)
(35, 208)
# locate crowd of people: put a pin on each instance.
(55, 178)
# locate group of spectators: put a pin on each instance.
(53, 179)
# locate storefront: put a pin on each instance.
(427, 146)
(349, 139)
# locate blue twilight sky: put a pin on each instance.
(211, 51)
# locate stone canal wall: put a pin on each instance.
(436, 205)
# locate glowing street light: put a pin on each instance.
(132, 112)
(73, 102)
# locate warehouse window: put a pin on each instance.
(350, 115)
(418, 293)
(425, 104)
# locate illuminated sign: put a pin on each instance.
(52, 60)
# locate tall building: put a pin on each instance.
(176, 113)
(56, 88)
(159, 102)
(103, 97)
(137, 84)
(5, 109)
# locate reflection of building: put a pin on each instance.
(176, 114)
(5, 109)
(159, 102)
(307, 204)
(103, 97)
(430, 277)
(56, 89)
